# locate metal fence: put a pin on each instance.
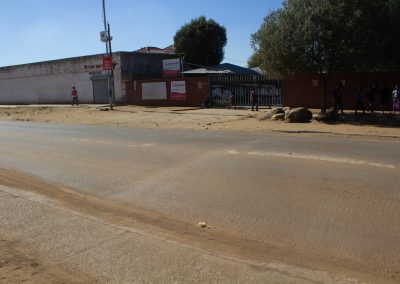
(269, 92)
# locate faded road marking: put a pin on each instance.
(319, 158)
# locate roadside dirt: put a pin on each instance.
(19, 264)
(243, 120)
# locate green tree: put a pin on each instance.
(327, 36)
(202, 42)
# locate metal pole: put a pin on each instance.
(112, 68)
(109, 76)
(105, 21)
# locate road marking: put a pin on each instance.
(317, 158)
(110, 143)
(85, 140)
(148, 145)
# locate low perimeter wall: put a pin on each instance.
(188, 92)
(305, 90)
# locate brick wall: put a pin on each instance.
(197, 91)
(302, 90)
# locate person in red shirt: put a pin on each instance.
(74, 95)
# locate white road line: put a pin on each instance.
(87, 141)
(318, 158)
(148, 145)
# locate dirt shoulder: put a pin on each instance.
(19, 264)
(242, 120)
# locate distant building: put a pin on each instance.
(50, 82)
(224, 68)
(151, 49)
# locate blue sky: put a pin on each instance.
(39, 30)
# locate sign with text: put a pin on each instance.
(178, 91)
(107, 63)
(172, 67)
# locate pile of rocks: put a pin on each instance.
(330, 115)
(296, 115)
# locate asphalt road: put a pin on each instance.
(282, 208)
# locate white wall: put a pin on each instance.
(51, 82)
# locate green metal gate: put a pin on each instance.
(269, 92)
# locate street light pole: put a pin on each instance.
(112, 66)
(110, 74)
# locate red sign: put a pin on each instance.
(107, 63)
(172, 67)
(178, 91)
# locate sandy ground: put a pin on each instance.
(19, 264)
(242, 120)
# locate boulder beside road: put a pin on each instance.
(271, 113)
(278, 116)
(330, 115)
(299, 115)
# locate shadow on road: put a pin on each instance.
(376, 119)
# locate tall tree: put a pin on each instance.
(202, 42)
(327, 36)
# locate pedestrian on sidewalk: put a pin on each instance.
(370, 96)
(385, 96)
(338, 97)
(232, 101)
(396, 99)
(254, 100)
(360, 99)
(74, 95)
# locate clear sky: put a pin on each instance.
(39, 30)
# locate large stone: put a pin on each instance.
(278, 116)
(270, 113)
(330, 115)
(299, 115)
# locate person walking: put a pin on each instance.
(254, 100)
(396, 99)
(385, 96)
(232, 101)
(360, 99)
(338, 98)
(370, 96)
(74, 95)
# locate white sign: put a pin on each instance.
(178, 90)
(171, 67)
(154, 91)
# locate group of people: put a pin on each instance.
(253, 99)
(370, 94)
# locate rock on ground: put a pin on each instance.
(299, 115)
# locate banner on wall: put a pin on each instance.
(172, 67)
(107, 63)
(178, 91)
(154, 91)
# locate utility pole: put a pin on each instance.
(110, 73)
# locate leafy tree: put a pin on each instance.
(327, 36)
(202, 42)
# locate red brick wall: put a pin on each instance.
(299, 91)
(197, 91)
